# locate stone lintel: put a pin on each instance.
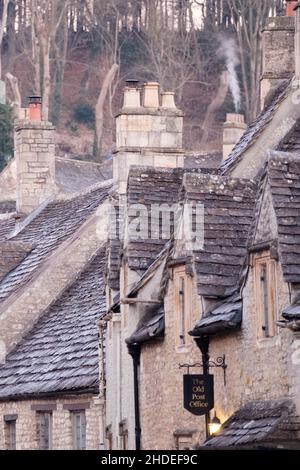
(150, 112)
(149, 150)
(33, 125)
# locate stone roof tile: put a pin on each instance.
(60, 354)
(51, 227)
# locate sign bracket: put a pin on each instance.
(220, 362)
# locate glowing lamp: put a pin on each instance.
(214, 425)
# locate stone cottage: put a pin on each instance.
(53, 229)
(232, 301)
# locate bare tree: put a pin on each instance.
(214, 106)
(249, 18)
(16, 101)
(47, 16)
(171, 58)
(3, 24)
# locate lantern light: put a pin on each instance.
(214, 425)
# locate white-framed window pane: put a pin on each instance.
(45, 430)
(79, 430)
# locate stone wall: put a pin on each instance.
(278, 53)
(35, 152)
(161, 384)
(147, 137)
(256, 369)
(255, 156)
(62, 437)
(21, 310)
(119, 368)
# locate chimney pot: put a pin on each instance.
(233, 129)
(151, 95)
(235, 118)
(168, 100)
(290, 7)
(35, 108)
(132, 98)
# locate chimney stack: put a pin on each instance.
(147, 135)
(278, 51)
(35, 156)
(233, 129)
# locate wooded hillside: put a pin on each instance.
(78, 54)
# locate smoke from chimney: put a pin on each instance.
(228, 51)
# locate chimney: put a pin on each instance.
(151, 95)
(290, 7)
(132, 95)
(147, 135)
(278, 61)
(168, 100)
(233, 129)
(35, 156)
(35, 108)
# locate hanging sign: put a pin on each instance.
(198, 391)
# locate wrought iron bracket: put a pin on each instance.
(219, 362)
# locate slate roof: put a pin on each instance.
(291, 142)
(283, 172)
(150, 327)
(147, 186)
(115, 244)
(50, 228)
(205, 161)
(256, 128)
(74, 175)
(260, 423)
(60, 354)
(223, 317)
(228, 215)
(293, 311)
(6, 226)
(7, 207)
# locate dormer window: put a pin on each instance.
(182, 294)
(265, 273)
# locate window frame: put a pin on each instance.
(9, 425)
(74, 415)
(182, 298)
(40, 415)
(266, 302)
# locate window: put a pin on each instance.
(110, 441)
(44, 430)
(109, 437)
(182, 303)
(10, 423)
(79, 430)
(265, 294)
(183, 440)
(123, 433)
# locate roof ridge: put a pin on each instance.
(217, 177)
(281, 155)
(80, 162)
(256, 127)
(84, 192)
